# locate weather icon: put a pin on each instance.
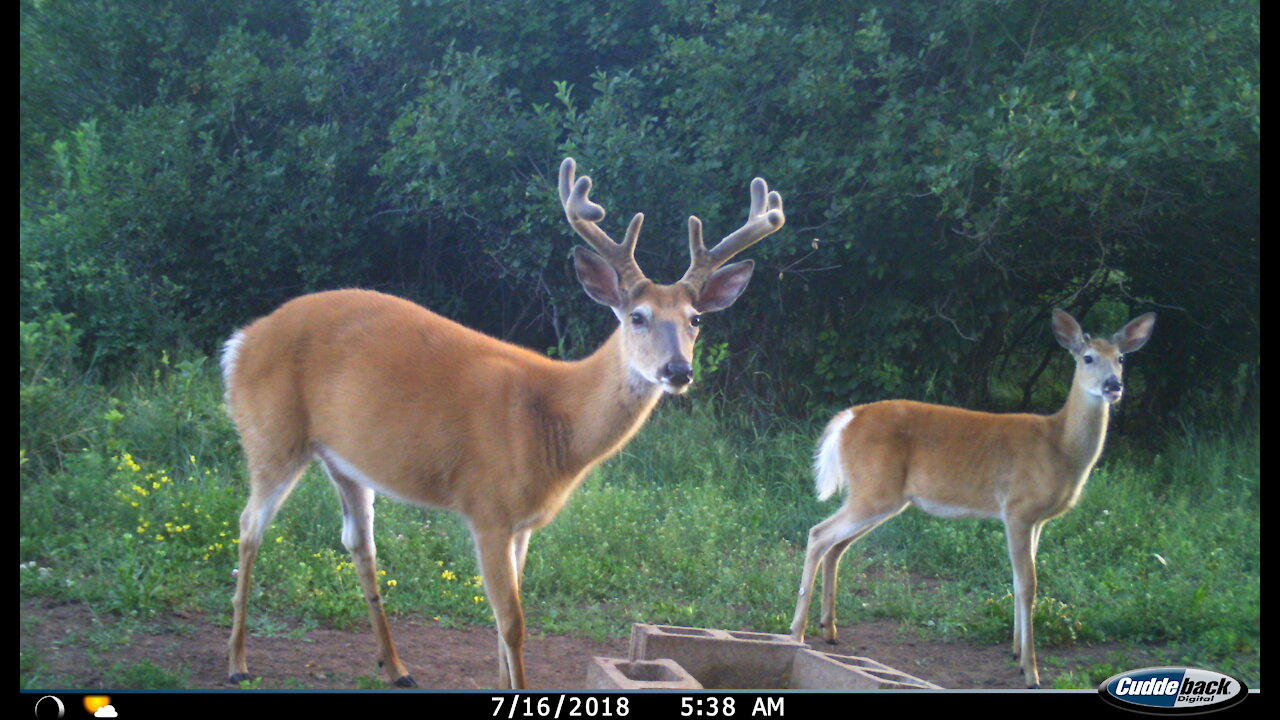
(100, 706)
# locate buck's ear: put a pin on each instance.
(1068, 332)
(724, 286)
(1135, 334)
(598, 277)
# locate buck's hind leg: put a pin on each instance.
(270, 482)
(357, 537)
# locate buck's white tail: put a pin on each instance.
(829, 476)
(230, 352)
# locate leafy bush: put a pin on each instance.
(951, 173)
(51, 395)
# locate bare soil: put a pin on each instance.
(193, 647)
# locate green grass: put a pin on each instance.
(701, 520)
(33, 671)
(144, 675)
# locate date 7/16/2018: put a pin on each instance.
(620, 705)
(560, 706)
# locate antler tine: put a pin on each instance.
(764, 218)
(583, 214)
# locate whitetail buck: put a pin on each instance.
(953, 463)
(394, 399)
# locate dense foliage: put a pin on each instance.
(952, 171)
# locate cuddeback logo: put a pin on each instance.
(1172, 691)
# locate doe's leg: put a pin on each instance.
(846, 527)
(1021, 538)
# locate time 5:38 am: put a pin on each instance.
(727, 706)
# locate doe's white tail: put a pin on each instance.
(829, 476)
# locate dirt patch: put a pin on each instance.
(59, 641)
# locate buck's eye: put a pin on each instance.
(1088, 359)
(637, 318)
(696, 320)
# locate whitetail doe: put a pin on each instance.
(954, 463)
(395, 399)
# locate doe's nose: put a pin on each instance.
(677, 372)
(1112, 385)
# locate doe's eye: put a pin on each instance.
(1088, 359)
(696, 320)
(1120, 359)
(637, 318)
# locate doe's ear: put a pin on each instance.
(1135, 334)
(724, 286)
(1068, 332)
(598, 277)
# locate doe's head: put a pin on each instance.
(1100, 361)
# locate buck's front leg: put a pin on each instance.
(519, 548)
(498, 565)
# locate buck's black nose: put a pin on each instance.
(678, 373)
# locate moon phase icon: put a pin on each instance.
(61, 709)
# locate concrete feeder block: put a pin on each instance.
(719, 658)
(723, 659)
(618, 674)
(814, 670)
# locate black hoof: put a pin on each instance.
(239, 678)
(1034, 687)
(405, 682)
